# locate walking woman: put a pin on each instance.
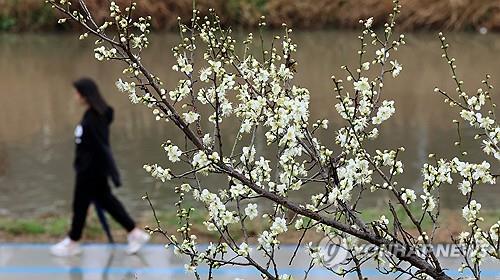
(94, 164)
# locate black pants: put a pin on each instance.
(90, 189)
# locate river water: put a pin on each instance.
(38, 112)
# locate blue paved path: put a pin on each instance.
(102, 262)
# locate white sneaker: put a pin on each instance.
(136, 239)
(66, 248)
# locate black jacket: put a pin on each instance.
(93, 152)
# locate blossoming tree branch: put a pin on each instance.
(253, 85)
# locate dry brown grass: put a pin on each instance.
(452, 14)
(24, 14)
(302, 13)
(421, 14)
(164, 12)
(18, 15)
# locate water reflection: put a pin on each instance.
(76, 273)
(38, 113)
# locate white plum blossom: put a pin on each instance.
(246, 126)
(158, 172)
(129, 88)
(299, 224)
(182, 90)
(204, 74)
(470, 211)
(384, 112)
(317, 255)
(362, 84)
(190, 117)
(383, 220)
(251, 211)
(207, 140)
(216, 66)
(408, 195)
(102, 53)
(262, 170)
(266, 240)
(248, 154)
(396, 68)
(185, 187)
(238, 190)
(183, 65)
(244, 250)
(429, 202)
(200, 160)
(278, 226)
(262, 76)
(133, 98)
(382, 54)
(465, 187)
(368, 23)
(122, 86)
(276, 88)
(173, 153)
(366, 66)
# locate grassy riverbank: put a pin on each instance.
(52, 228)
(31, 15)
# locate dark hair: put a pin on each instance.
(89, 90)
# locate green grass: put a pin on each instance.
(55, 227)
(51, 226)
(7, 22)
(23, 226)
